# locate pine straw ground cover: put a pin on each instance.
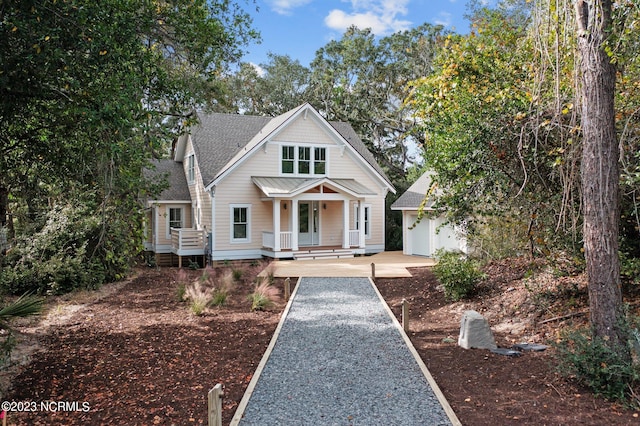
(138, 356)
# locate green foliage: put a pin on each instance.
(181, 292)
(500, 133)
(26, 305)
(237, 274)
(219, 297)
(58, 257)
(457, 273)
(89, 92)
(263, 296)
(593, 363)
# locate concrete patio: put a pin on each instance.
(391, 264)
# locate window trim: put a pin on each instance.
(232, 223)
(169, 209)
(356, 219)
(296, 161)
(191, 168)
(291, 148)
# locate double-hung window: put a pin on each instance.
(319, 161)
(288, 159)
(304, 160)
(240, 223)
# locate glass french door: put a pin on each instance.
(308, 219)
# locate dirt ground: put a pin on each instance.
(134, 354)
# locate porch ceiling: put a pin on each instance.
(289, 187)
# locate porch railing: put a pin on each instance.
(191, 241)
(269, 240)
(354, 238)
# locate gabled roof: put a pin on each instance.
(178, 190)
(414, 196)
(290, 186)
(222, 140)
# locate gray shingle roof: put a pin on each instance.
(414, 196)
(218, 138)
(347, 132)
(178, 189)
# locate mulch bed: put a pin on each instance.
(140, 357)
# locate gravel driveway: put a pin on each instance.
(340, 359)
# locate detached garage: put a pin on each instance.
(429, 235)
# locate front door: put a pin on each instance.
(308, 218)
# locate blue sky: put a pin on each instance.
(300, 27)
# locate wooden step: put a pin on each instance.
(322, 254)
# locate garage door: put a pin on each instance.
(419, 237)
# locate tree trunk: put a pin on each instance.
(600, 172)
(4, 201)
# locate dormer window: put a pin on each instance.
(303, 160)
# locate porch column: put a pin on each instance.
(361, 230)
(345, 224)
(276, 224)
(294, 224)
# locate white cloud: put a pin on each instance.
(444, 19)
(382, 16)
(261, 72)
(285, 7)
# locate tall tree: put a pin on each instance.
(600, 171)
(89, 91)
(271, 88)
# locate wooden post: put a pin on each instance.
(287, 289)
(215, 405)
(405, 315)
(373, 271)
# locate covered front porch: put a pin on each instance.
(314, 215)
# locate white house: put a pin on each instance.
(244, 187)
(425, 237)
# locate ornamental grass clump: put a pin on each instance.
(198, 297)
(208, 290)
(222, 290)
(263, 296)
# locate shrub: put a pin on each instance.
(457, 273)
(595, 365)
(74, 248)
(263, 296)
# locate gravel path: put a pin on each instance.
(340, 360)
